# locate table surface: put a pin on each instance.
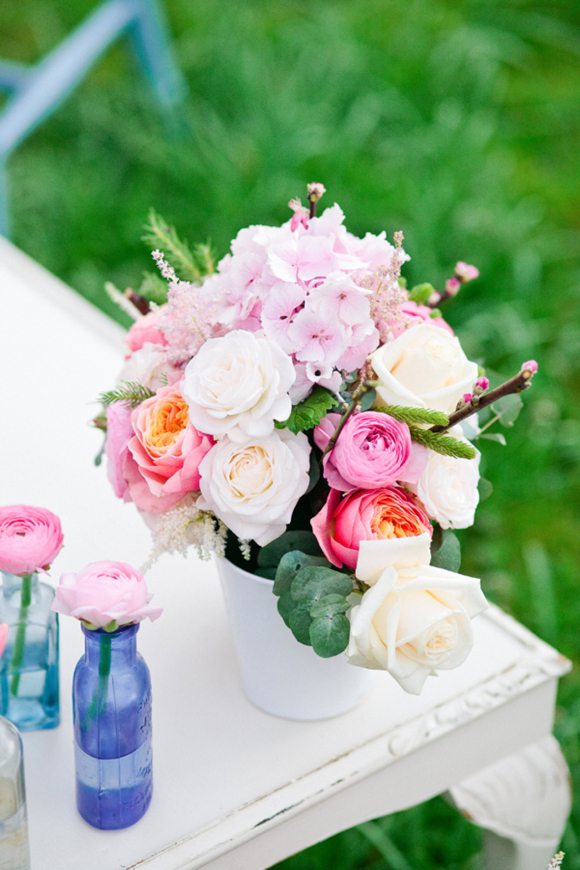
(221, 766)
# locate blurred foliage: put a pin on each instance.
(457, 121)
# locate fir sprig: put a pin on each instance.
(414, 415)
(442, 443)
(130, 392)
(188, 265)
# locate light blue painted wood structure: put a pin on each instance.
(36, 91)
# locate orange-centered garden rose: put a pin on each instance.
(166, 450)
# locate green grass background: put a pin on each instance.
(457, 121)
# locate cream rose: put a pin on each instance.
(238, 385)
(149, 366)
(253, 486)
(415, 618)
(424, 367)
(447, 488)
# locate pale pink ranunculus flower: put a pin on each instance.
(167, 450)
(30, 538)
(4, 628)
(365, 515)
(372, 450)
(146, 329)
(103, 593)
(414, 619)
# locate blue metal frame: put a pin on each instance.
(38, 90)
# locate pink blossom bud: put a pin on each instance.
(315, 190)
(452, 286)
(482, 383)
(434, 299)
(465, 272)
(531, 365)
(467, 397)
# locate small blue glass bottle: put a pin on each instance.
(112, 728)
(29, 691)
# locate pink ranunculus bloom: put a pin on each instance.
(372, 450)
(166, 450)
(119, 433)
(4, 627)
(30, 538)
(104, 593)
(412, 314)
(366, 515)
(146, 329)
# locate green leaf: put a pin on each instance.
(290, 565)
(494, 436)
(421, 293)
(508, 408)
(313, 472)
(448, 554)
(268, 573)
(309, 413)
(304, 541)
(314, 582)
(300, 622)
(329, 635)
(368, 399)
(415, 415)
(328, 605)
(153, 288)
(485, 488)
(130, 392)
(444, 444)
(286, 605)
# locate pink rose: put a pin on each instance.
(412, 314)
(372, 450)
(119, 433)
(366, 515)
(3, 636)
(146, 329)
(104, 593)
(30, 538)
(166, 451)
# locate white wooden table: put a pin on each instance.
(234, 787)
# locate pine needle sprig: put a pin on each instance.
(414, 415)
(153, 288)
(204, 258)
(442, 443)
(159, 234)
(130, 392)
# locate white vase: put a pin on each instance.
(279, 674)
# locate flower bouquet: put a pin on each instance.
(300, 411)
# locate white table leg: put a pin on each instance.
(522, 802)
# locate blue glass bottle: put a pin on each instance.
(112, 728)
(29, 692)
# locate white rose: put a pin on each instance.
(238, 384)
(414, 618)
(148, 366)
(424, 367)
(253, 486)
(448, 488)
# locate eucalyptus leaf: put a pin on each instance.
(485, 488)
(271, 555)
(267, 573)
(286, 605)
(314, 582)
(329, 635)
(300, 622)
(313, 473)
(508, 408)
(329, 605)
(494, 436)
(290, 565)
(368, 400)
(448, 555)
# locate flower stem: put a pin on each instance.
(519, 382)
(99, 700)
(20, 641)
